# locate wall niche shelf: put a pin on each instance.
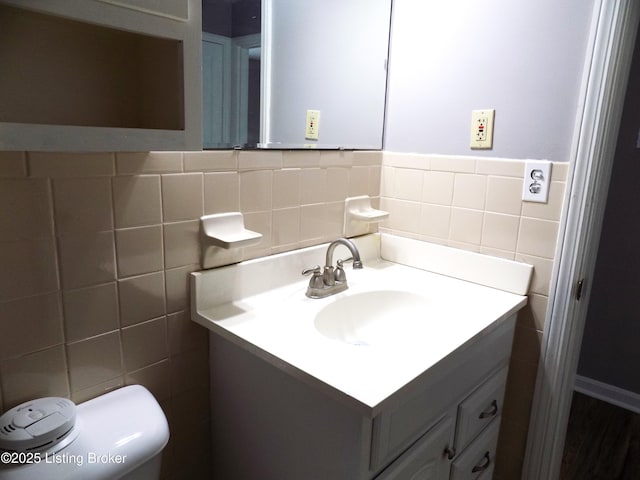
(98, 77)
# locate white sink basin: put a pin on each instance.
(377, 318)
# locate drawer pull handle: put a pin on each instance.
(450, 452)
(491, 411)
(486, 461)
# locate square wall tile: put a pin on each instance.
(404, 215)
(30, 324)
(435, 220)
(83, 204)
(26, 209)
(255, 191)
(504, 195)
(139, 250)
(181, 243)
(141, 298)
(537, 237)
(28, 268)
(90, 311)
(221, 192)
(469, 191)
(182, 197)
(39, 374)
(466, 226)
(87, 259)
(438, 188)
(137, 200)
(286, 188)
(144, 344)
(94, 361)
(408, 184)
(313, 185)
(500, 231)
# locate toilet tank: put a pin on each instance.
(119, 435)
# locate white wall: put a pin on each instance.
(525, 59)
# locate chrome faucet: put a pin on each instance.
(329, 281)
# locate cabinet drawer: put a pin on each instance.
(477, 461)
(426, 459)
(479, 408)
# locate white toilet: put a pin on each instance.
(119, 435)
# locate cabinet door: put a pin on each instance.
(426, 459)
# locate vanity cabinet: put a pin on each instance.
(272, 422)
(100, 75)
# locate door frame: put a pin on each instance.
(609, 54)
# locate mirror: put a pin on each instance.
(267, 63)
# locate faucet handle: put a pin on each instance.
(315, 270)
(317, 280)
(344, 260)
(356, 264)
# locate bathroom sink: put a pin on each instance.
(377, 318)
(362, 345)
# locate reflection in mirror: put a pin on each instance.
(327, 57)
(231, 51)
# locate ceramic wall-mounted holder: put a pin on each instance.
(223, 234)
(359, 214)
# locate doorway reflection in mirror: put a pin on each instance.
(231, 51)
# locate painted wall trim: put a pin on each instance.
(606, 74)
(609, 393)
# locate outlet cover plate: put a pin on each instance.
(482, 128)
(537, 179)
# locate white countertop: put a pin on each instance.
(278, 324)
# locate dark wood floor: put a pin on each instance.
(603, 442)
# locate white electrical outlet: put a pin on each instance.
(537, 178)
(313, 125)
(482, 128)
